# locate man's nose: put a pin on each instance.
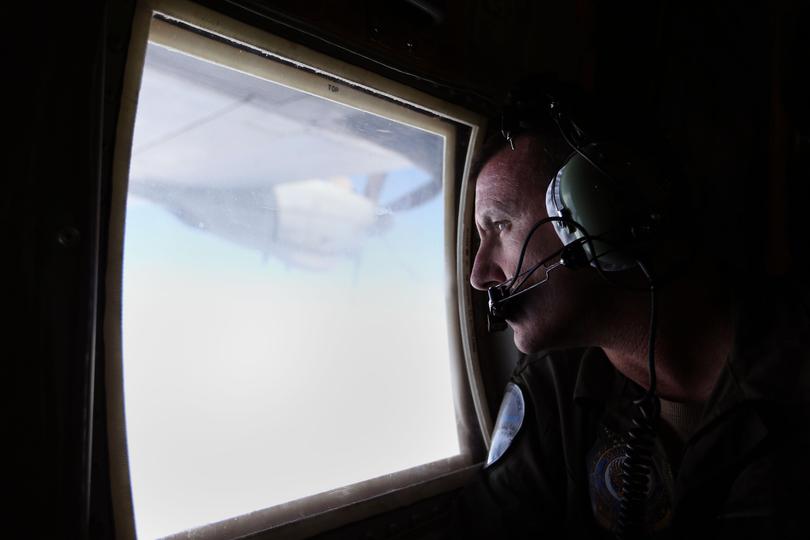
(485, 271)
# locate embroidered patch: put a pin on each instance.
(605, 486)
(510, 419)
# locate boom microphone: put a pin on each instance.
(503, 296)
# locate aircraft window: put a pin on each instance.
(284, 316)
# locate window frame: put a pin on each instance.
(174, 27)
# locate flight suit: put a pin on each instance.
(743, 473)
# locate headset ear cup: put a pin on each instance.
(584, 195)
(555, 208)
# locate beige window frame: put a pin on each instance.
(305, 70)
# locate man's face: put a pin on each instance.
(509, 200)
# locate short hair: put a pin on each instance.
(555, 149)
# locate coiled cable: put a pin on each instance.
(637, 466)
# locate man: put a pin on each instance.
(727, 455)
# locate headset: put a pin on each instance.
(608, 204)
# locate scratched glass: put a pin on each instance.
(284, 317)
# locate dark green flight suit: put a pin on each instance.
(743, 473)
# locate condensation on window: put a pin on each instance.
(284, 317)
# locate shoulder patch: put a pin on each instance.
(508, 423)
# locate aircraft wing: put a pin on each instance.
(265, 132)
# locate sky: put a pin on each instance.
(251, 379)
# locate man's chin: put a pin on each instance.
(522, 340)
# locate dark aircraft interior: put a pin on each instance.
(726, 81)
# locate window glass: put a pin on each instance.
(284, 283)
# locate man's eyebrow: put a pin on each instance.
(490, 215)
(486, 218)
(496, 207)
